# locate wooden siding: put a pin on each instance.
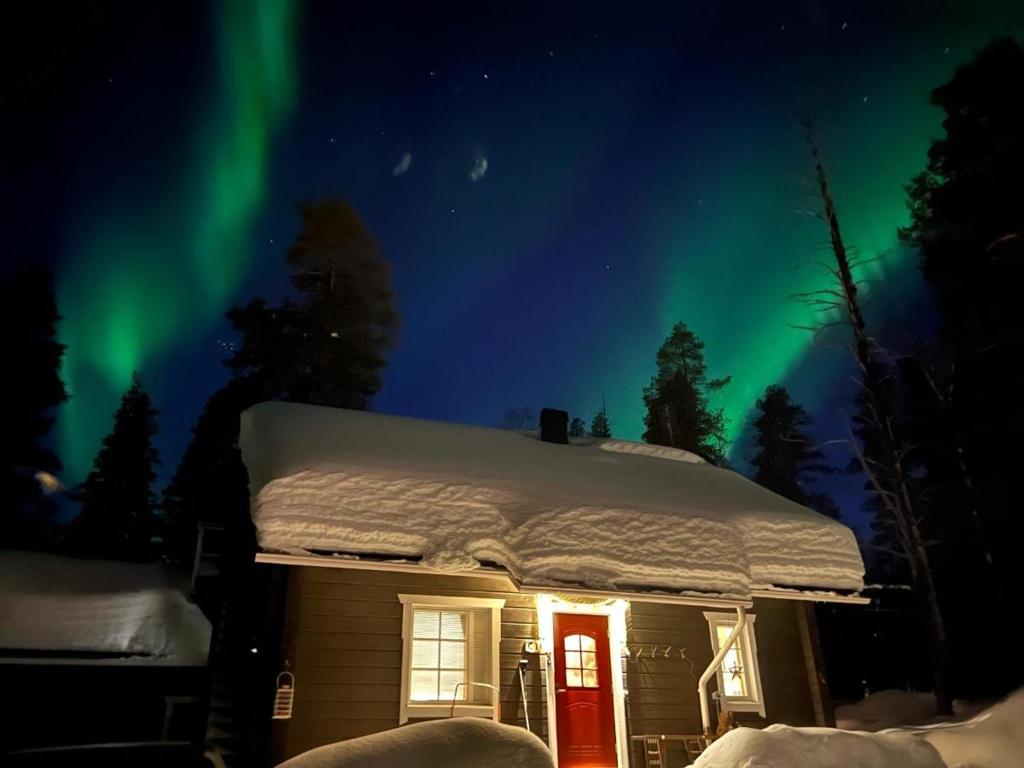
(343, 637)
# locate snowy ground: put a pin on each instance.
(464, 742)
(993, 738)
(606, 514)
(893, 709)
(51, 603)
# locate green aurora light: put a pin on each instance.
(154, 268)
(733, 279)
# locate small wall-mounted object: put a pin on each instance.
(284, 696)
(531, 646)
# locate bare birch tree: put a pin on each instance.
(885, 463)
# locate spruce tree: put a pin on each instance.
(786, 459)
(117, 520)
(599, 425)
(577, 428)
(678, 411)
(32, 390)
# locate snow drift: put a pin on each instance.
(782, 746)
(464, 742)
(991, 739)
(895, 708)
(606, 514)
(51, 603)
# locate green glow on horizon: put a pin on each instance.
(164, 259)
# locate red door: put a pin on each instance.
(584, 712)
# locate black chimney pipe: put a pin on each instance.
(554, 426)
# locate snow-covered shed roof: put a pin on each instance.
(99, 608)
(602, 514)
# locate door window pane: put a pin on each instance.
(580, 661)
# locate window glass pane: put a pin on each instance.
(590, 678)
(453, 655)
(426, 624)
(588, 643)
(723, 631)
(425, 653)
(423, 686)
(453, 625)
(572, 660)
(589, 660)
(572, 643)
(573, 677)
(448, 681)
(734, 675)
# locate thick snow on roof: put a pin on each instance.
(605, 514)
(51, 603)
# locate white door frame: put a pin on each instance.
(615, 610)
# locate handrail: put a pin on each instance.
(455, 693)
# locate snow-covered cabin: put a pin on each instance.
(98, 652)
(610, 596)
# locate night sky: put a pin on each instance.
(554, 187)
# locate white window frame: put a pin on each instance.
(754, 700)
(412, 710)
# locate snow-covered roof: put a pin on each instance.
(98, 607)
(604, 514)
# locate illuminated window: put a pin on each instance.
(580, 661)
(739, 680)
(449, 656)
(438, 669)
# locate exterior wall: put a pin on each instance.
(343, 638)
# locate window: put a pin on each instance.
(580, 661)
(449, 656)
(438, 668)
(739, 680)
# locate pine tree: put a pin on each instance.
(678, 412)
(117, 520)
(32, 390)
(599, 425)
(786, 459)
(577, 428)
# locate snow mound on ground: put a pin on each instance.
(782, 746)
(894, 708)
(463, 742)
(605, 514)
(52, 603)
(992, 739)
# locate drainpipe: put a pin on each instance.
(702, 684)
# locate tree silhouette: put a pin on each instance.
(787, 460)
(32, 390)
(678, 413)
(117, 520)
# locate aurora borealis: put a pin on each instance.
(640, 169)
(146, 271)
